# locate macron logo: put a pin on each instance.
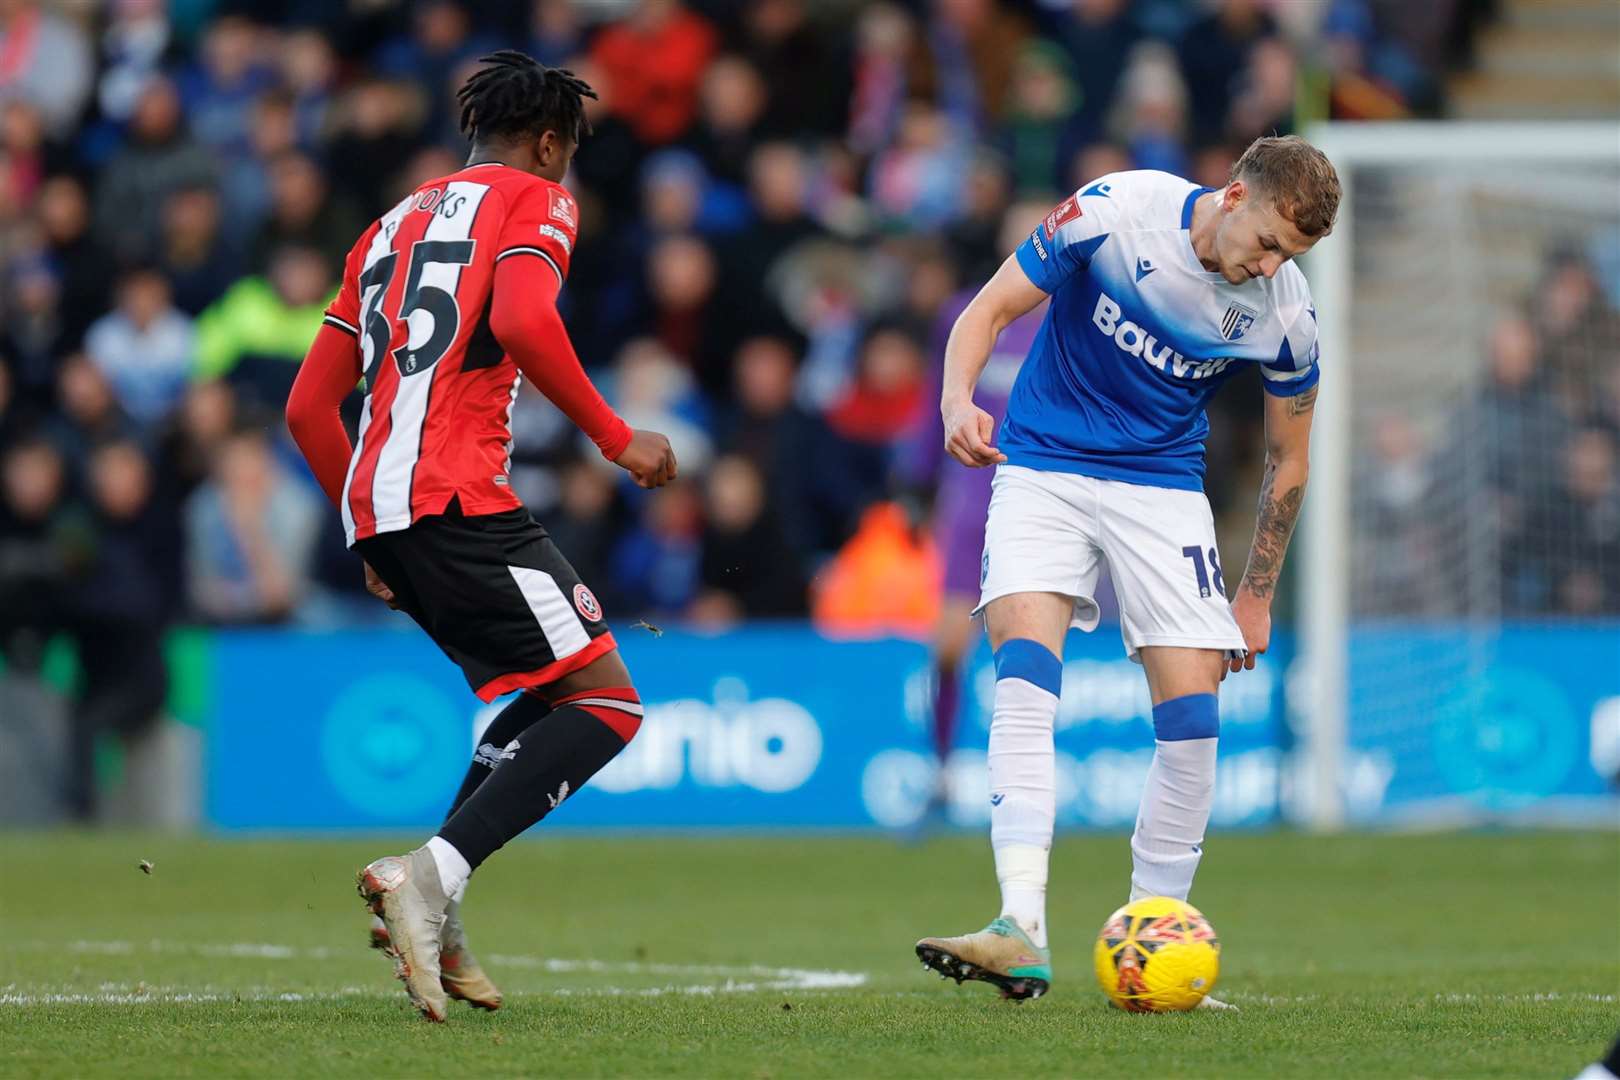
(1134, 340)
(1143, 268)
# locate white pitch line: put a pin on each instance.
(125, 994)
(1552, 995)
(736, 979)
(790, 978)
(1250, 998)
(1268, 999)
(249, 950)
(107, 995)
(798, 978)
(114, 993)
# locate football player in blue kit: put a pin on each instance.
(1160, 291)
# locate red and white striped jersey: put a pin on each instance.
(416, 292)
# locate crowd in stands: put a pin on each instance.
(1527, 465)
(777, 198)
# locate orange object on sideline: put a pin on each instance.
(886, 580)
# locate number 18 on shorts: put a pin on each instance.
(1052, 531)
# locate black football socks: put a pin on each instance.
(512, 721)
(542, 766)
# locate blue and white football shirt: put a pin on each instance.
(1139, 336)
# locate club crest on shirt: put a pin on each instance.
(585, 601)
(1065, 212)
(1237, 320)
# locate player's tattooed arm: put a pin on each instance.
(1282, 489)
(1300, 404)
(1282, 492)
(1278, 513)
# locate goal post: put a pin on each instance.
(1444, 230)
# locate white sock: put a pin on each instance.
(1023, 797)
(453, 869)
(1169, 838)
(1021, 870)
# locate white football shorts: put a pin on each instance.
(1051, 531)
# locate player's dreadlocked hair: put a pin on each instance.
(515, 96)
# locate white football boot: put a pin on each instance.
(405, 891)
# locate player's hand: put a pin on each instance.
(968, 431)
(377, 587)
(648, 459)
(1253, 616)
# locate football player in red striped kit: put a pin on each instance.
(447, 303)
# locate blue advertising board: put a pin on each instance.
(778, 727)
(1454, 723)
(763, 727)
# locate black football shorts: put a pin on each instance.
(495, 594)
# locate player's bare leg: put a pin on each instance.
(604, 672)
(1027, 632)
(1169, 838)
(592, 714)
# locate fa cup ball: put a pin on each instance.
(1157, 954)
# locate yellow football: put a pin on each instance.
(1157, 954)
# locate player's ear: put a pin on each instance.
(1232, 199)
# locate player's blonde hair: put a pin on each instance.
(1297, 177)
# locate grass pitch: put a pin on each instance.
(1358, 956)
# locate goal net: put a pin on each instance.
(1461, 553)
